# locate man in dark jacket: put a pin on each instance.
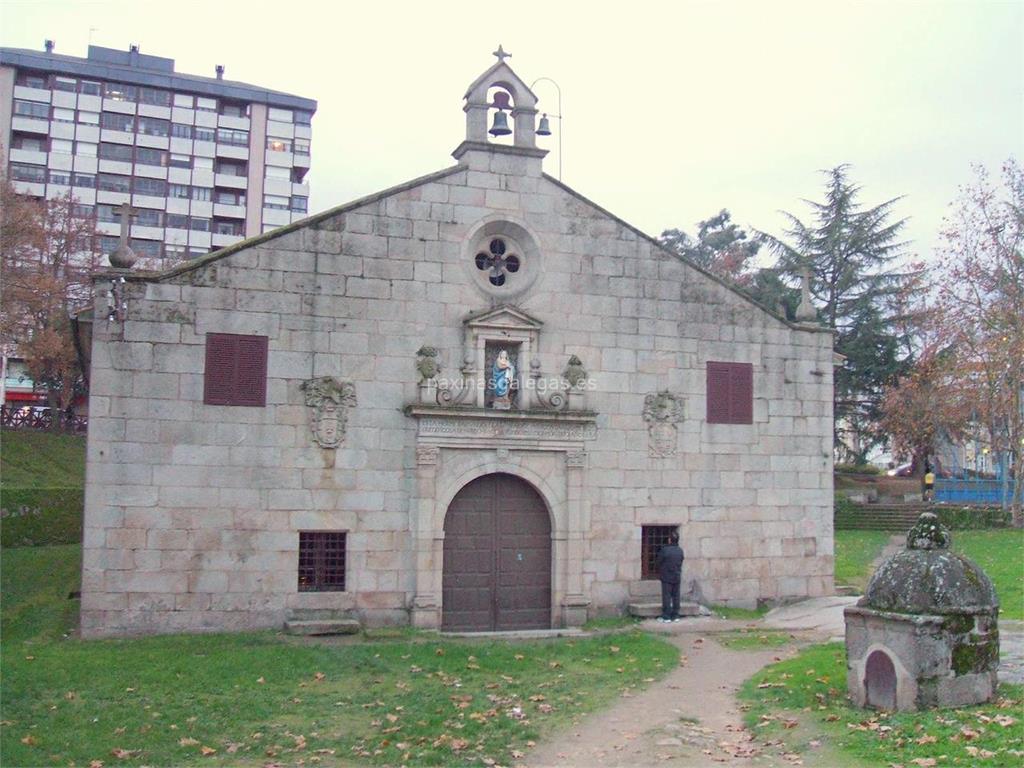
(669, 562)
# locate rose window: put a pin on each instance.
(497, 262)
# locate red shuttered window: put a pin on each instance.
(730, 393)
(236, 370)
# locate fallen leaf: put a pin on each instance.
(95, 764)
(924, 762)
(123, 754)
(207, 751)
(969, 734)
(319, 676)
(187, 742)
(519, 657)
(1004, 720)
(926, 740)
(260, 680)
(30, 740)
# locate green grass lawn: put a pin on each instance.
(1000, 553)
(35, 459)
(803, 702)
(256, 698)
(855, 551)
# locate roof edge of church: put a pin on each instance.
(295, 226)
(813, 328)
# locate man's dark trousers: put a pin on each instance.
(669, 562)
(669, 599)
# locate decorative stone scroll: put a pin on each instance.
(427, 454)
(330, 400)
(576, 459)
(662, 411)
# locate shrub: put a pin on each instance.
(857, 469)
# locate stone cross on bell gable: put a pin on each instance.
(125, 211)
(500, 53)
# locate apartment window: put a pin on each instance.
(30, 173)
(180, 191)
(112, 182)
(652, 539)
(279, 145)
(181, 131)
(115, 121)
(122, 152)
(730, 393)
(226, 228)
(62, 115)
(89, 118)
(202, 163)
(232, 109)
(109, 243)
(107, 213)
(64, 146)
(62, 178)
(90, 88)
(303, 118)
(86, 148)
(205, 134)
(119, 92)
(231, 169)
(65, 84)
(147, 156)
(33, 109)
(153, 126)
(150, 248)
(322, 561)
(148, 217)
(197, 224)
(233, 137)
(236, 370)
(83, 180)
(83, 211)
(275, 202)
(302, 146)
(152, 187)
(204, 104)
(177, 221)
(229, 197)
(177, 252)
(300, 204)
(155, 96)
(202, 193)
(31, 80)
(180, 161)
(30, 143)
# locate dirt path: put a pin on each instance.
(690, 718)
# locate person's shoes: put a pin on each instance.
(674, 619)
(663, 620)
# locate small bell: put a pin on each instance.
(500, 127)
(544, 129)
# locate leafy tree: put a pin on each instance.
(979, 309)
(721, 247)
(849, 252)
(47, 253)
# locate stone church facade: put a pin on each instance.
(474, 401)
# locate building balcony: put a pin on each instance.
(30, 188)
(28, 156)
(32, 94)
(233, 151)
(30, 125)
(230, 181)
(230, 211)
(220, 240)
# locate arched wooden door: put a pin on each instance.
(497, 557)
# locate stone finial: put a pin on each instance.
(427, 364)
(806, 311)
(500, 54)
(574, 372)
(123, 256)
(928, 533)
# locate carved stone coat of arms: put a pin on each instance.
(330, 400)
(662, 411)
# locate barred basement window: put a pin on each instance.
(236, 370)
(321, 561)
(730, 393)
(652, 539)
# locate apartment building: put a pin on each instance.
(204, 161)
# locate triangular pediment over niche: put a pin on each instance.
(505, 317)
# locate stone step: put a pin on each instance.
(323, 627)
(653, 610)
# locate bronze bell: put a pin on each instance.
(500, 127)
(544, 129)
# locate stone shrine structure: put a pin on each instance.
(473, 401)
(926, 632)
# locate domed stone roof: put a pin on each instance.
(927, 577)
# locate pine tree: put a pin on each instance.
(850, 253)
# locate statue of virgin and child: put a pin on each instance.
(503, 377)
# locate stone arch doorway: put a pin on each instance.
(497, 557)
(880, 681)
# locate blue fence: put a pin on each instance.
(972, 491)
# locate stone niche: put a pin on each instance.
(926, 633)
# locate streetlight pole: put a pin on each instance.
(559, 116)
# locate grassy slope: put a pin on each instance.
(855, 551)
(34, 459)
(258, 698)
(1000, 553)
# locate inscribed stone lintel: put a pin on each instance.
(480, 427)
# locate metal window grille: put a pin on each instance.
(652, 539)
(321, 561)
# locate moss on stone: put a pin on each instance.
(975, 657)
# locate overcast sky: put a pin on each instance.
(672, 110)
